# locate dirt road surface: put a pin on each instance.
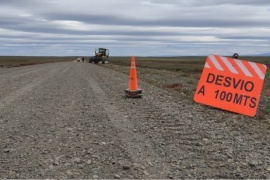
(72, 120)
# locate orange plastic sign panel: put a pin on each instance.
(231, 84)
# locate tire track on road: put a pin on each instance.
(137, 145)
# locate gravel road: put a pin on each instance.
(72, 120)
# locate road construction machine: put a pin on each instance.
(100, 55)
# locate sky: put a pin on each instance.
(134, 27)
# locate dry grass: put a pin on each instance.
(189, 66)
(15, 61)
(184, 64)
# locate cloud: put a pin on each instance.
(142, 27)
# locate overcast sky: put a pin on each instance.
(134, 27)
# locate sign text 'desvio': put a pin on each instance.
(231, 84)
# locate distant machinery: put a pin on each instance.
(100, 55)
(235, 56)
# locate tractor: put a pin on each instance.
(100, 55)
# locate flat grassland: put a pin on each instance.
(16, 61)
(186, 66)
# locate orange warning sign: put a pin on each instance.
(231, 84)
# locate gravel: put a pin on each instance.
(72, 120)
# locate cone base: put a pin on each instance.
(133, 93)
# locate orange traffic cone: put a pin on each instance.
(133, 91)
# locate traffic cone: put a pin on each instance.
(133, 91)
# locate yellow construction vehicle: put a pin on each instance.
(100, 55)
